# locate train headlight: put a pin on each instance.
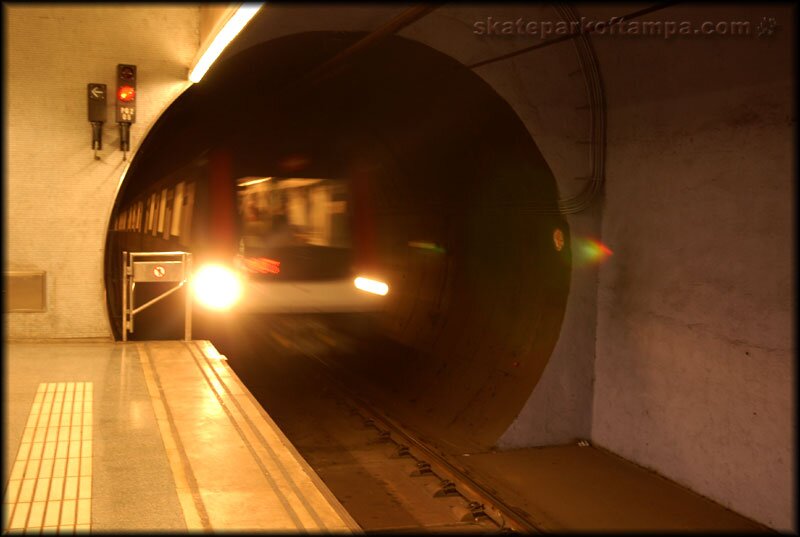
(216, 287)
(371, 286)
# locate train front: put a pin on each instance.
(298, 253)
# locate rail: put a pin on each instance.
(454, 480)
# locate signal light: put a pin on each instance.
(127, 72)
(126, 94)
(126, 104)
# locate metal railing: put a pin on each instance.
(168, 267)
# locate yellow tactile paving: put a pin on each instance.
(49, 488)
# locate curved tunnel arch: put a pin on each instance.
(445, 160)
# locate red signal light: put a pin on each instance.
(126, 94)
(262, 265)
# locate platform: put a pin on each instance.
(109, 437)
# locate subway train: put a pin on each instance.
(260, 244)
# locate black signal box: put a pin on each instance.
(97, 102)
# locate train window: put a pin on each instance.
(156, 205)
(152, 216)
(314, 210)
(294, 221)
(177, 206)
(168, 212)
(146, 216)
(162, 210)
(186, 214)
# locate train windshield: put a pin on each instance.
(294, 228)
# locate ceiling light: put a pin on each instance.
(223, 38)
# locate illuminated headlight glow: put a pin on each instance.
(216, 287)
(371, 286)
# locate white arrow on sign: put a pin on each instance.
(97, 92)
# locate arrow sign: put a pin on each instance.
(97, 102)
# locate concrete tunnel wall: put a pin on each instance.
(695, 355)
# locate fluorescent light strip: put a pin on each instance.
(223, 38)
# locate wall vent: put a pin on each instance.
(25, 291)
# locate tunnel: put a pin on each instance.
(582, 215)
(443, 160)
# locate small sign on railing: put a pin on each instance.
(151, 268)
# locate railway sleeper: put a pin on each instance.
(476, 511)
(401, 451)
(446, 488)
(423, 468)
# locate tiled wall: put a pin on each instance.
(58, 197)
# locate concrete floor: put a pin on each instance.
(131, 482)
(575, 488)
(148, 436)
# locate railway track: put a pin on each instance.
(481, 503)
(389, 480)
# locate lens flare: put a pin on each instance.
(426, 245)
(590, 251)
(216, 287)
